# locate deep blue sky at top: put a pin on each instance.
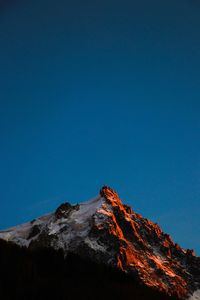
(101, 92)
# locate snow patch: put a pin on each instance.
(87, 209)
(195, 296)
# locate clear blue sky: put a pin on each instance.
(101, 92)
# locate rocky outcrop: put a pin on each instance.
(64, 210)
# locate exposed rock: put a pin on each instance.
(34, 231)
(65, 209)
(190, 252)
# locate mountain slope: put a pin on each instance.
(105, 231)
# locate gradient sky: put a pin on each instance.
(101, 92)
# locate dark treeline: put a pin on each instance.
(45, 274)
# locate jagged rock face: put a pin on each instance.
(64, 210)
(106, 231)
(140, 247)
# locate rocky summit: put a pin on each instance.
(105, 231)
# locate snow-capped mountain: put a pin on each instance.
(106, 231)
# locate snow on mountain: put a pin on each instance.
(20, 234)
(195, 296)
(106, 231)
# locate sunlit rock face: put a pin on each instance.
(106, 231)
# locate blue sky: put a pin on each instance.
(101, 92)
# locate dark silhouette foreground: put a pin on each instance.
(45, 274)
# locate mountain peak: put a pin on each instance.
(110, 195)
(107, 231)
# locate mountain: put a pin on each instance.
(108, 234)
